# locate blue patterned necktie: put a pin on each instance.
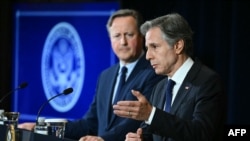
(121, 83)
(169, 94)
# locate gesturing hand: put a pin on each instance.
(134, 136)
(139, 110)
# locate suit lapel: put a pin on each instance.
(158, 99)
(182, 93)
(110, 116)
(136, 70)
(186, 87)
(142, 62)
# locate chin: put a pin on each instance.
(157, 71)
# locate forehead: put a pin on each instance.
(153, 34)
(123, 22)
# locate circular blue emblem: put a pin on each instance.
(63, 66)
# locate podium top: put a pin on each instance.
(26, 135)
(56, 120)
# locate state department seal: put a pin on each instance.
(63, 66)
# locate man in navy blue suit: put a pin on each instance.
(198, 100)
(100, 123)
(127, 42)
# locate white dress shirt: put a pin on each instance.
(178, 77)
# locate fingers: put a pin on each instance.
(28, 126)
(138, 95)
(139, 131)
(129, 114)
(123, 113)
(133, 137)
(90, 138)
(139, 110)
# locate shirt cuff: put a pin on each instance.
(150, 116)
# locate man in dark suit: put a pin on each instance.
(100, 123)
(195, 108)
(127, 42)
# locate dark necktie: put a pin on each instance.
(120, 85)
(169, 95)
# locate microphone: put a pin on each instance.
(21, 86)
(65, 92)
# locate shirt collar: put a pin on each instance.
(130, 66)
(181, 73)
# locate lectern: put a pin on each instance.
(26, 135)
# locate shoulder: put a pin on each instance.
(109, 72)
(111, 69)
(203, 69)
(202, 74)
(162, 83)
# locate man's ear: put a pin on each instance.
(179, 46)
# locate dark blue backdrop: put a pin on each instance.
(33, 23)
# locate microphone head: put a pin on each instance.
(67, 91)
(23, 85)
